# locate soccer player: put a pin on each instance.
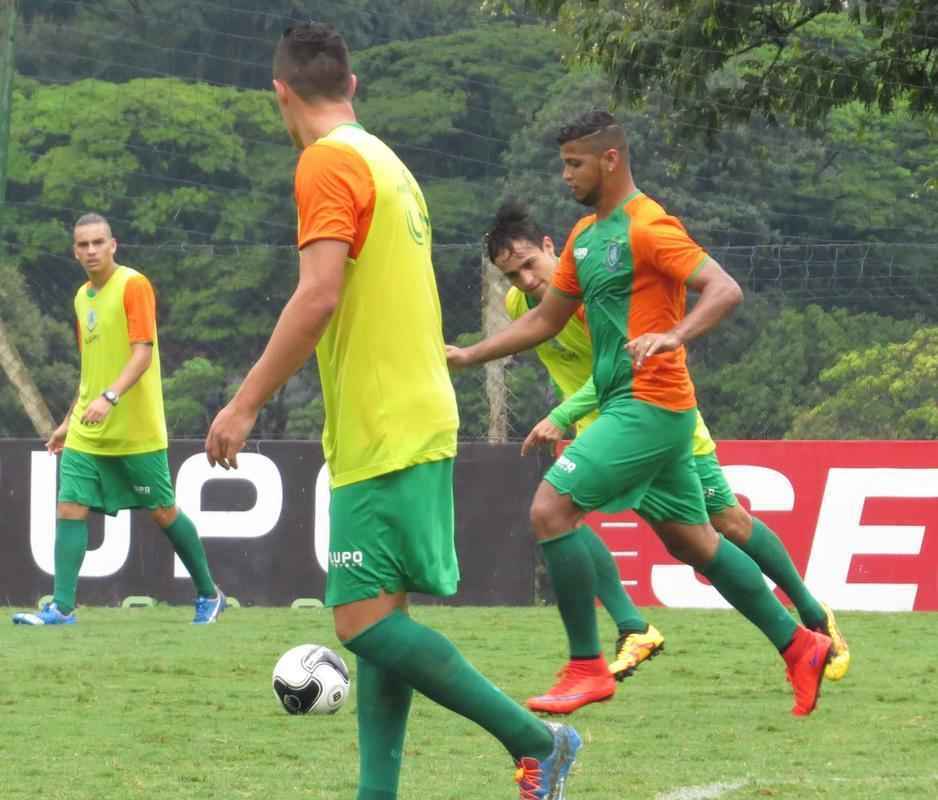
(521, 250)
(367, 302)
(113, 440)
(524, 254)
(630, 264)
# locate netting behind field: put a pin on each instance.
(218, 304)
(160, 116)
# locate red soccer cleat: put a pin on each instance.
(806, 658)
(581, 683)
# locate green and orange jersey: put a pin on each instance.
(109, 321)
(630, 271)
(389, 402)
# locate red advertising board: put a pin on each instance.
(860, 520)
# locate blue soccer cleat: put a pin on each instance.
(49, 614)
(547, 779)
(207, 609)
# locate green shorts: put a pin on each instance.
(636, 456)
(717, 492)
(109, 484)
(394, 532)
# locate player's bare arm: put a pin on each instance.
(541, 323)
(141, 356)
(302, 323)
(719, 295)
(56, 442)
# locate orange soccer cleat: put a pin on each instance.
(806, 658)
(581, 682)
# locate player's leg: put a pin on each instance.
(611, 462)
(613, 597)
(383, 701)
(638, 640)
(80, 489)
(754, 538)
(675, 508)
(585, 679)
(143, 480)
(391, 535)
(763, 546)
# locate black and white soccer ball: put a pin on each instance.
(311, 679)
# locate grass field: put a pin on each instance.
(139, 704)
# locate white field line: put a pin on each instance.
(714, 791)
(709, 792)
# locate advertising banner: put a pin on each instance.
(860, 520)
(265, 527)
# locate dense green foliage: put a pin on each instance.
(172, 133)
(723, 61)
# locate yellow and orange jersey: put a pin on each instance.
(568, 357)
(108, 321)
(388, 397)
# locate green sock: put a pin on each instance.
(383, 705)
(571, 570)
(71, 542)
(188, 547)
(433, 666)
(609, 587)
(736, 577)
(766, 549)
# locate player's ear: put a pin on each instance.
(280, 88)
(352, 85)
(548, 246)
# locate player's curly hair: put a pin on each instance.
(513, 222)
(588, 124)
(313, 60)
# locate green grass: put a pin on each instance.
(138, 704)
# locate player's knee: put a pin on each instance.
(695, 545)
(344, 629)
(735, 524)
(71, 511)
(164, 517)
(550, 517)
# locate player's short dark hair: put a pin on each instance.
(513, 223)
(312, 59)
(601, 124)
(92, 219)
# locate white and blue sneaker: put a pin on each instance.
(49, 614)
(207, 609)
(547, 779)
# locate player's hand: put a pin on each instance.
(56, 442)
(545, 432)
(457, 357)
(228, 434)
(96, 412)
(649, 344)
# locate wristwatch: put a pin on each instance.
(111, 396)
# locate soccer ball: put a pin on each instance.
(311, 679)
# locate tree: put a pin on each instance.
(776, 379)
(192, 396)
(723, 61)
(884, 392)
(47, 348)
(221, 43)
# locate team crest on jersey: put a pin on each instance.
(580, 253)
(613, 254)
(92, 320)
